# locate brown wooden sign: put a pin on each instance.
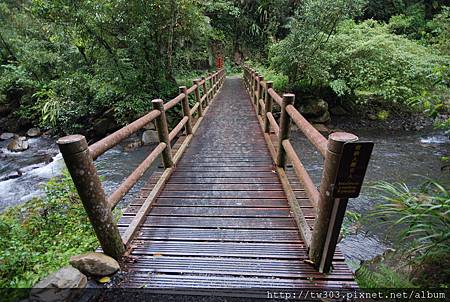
(352, 169)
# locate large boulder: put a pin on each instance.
(150, 137)
(321, 119)
(33, 132)
(313, 108)
(59, 286)
(18, 144)
(338, 111)
(95, 264)
(6, 135)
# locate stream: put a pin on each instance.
(397, 156)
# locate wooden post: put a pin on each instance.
(330, 210)
(163, 132)
(255, 86)
(75, 152)
(211, 95)
(198, 98)
(259, 94)
(205, 92)
(186, 109)
(268, 103)
(285, 123)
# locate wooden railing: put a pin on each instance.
(79, 159)
(330, 209)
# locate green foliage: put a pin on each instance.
(71, 61)
(299, 55)
(366, 57)
(422, 217)
(383, 277)
(39, 237)
(280, 81)
(438, 31)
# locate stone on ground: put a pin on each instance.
(18, 144)
(59, 285)
(95, 264)
(322, 119)
(149, 137)
(6, 135)
(33, 132)
(314, 108)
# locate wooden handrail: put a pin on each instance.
(129, 182)
(273, 123)
(79, 159)
(302, 174)
(112, 140)
(330, 209)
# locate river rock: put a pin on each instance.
(314, 108)
(18, 144)
(322, 119)
(149, 137)
(6, 135)
(33, 132)
(12, 175)
(338, 111)
(59, 286)
(150, 126)
(95, 264)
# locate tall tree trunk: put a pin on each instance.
(170, 42)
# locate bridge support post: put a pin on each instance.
(252, 84)
(163, 132)
(75, 152)
(198, 98)
(259, 93)
(186, 109)
(285, 123)
(216, 85)
(205, 91)
(210, 94)
(330, 210)
(268, 103)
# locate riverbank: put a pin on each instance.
(38, 237)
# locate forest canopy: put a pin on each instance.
(66, 64)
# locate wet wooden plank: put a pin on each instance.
(221, 235)
(239, 267)
(224, 187)
(221, 249)
(224, 194)
(222, 202)
(216, 282)
(203, 174)
(218, 212)
(223, 180)
(215, 222)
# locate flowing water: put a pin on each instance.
(397, 156)
(43, 161)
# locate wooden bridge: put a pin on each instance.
(234, 206)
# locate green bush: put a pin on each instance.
(39, 237)
(383, 277)
(365, 58)
(420, 220)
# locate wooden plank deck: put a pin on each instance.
(222, 220)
